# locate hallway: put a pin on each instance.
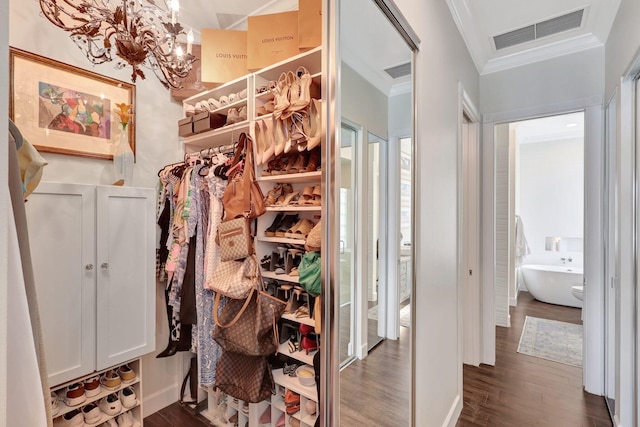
(528, 391)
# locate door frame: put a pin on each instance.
(593, 363)
(470, 327)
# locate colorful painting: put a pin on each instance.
(68, 110)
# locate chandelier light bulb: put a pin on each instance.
(133, 32)
(190, 41)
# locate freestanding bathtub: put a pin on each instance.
(552, 283)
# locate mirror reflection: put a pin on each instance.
(375, 218)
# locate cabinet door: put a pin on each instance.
(125, 219)
(61, 223)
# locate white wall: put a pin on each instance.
(551, 190)
(156, 145)
(363, 103)
(4, 203)
(621, 52)
(443, 62)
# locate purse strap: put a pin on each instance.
(233, 321)
(249, 174)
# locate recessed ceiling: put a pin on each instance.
(533, 30)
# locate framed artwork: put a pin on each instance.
(63, 109)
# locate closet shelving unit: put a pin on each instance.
(311, 60)
(136, 384)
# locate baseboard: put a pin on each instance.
(454, 412)
(513, 301)
(160, 399)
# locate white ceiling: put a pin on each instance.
(564, 126)
(480, 20)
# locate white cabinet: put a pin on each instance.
(93, 250)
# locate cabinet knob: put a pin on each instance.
(88, 267)
(105, 265)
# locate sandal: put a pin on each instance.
(317, 196)
(302, 231)
(288, 199)
(272, 195)
(281, 96)
(307, 196)
(314, 160)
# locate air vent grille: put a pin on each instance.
(399, 70)
(539, 30)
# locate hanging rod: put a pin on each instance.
(222, 149)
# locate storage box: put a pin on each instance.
(207, 121)
(271, 38)
(192, 84)
(309, 24)
(185, 126)
(224, 55)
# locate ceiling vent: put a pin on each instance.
(399, 70)
(539, 30)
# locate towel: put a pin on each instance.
(522, 247)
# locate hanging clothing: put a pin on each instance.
(522, 246)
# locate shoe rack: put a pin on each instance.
(60, 408)
(259, 96)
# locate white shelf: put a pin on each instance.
(103, 418)
(213, 138)
(294, 208)
(310, 59)
(301, 355)
(285, 277)
(292, 177)
(306, 320)
(225, 89)
(293, 384)
(284, 240)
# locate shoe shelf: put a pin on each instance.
(234, 86)
(136, 410)
(294, 385)
(300, 355)
(282, 277)
(304, 320)
(284, 240)
(222, 136)
(294, 208)
(311, 60)
(292, 177)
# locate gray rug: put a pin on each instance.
(405, 315)
(552, 340)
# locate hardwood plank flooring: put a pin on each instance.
(519, 391)
(523, 390)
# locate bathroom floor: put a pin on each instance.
(528, 391)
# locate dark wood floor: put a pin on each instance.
(519, 391)
(528, 391)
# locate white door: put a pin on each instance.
(61, 223)
(126, 274)
(470, 278)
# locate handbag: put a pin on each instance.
(234, 238)
(309, 272)
(234, 279)
(249, 326)
(243, 196)
(247, 378)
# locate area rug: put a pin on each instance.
(405, 315)
(552, 340)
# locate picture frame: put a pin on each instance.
(64, 109)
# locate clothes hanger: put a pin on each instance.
(17, 135)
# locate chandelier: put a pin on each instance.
(140, 32)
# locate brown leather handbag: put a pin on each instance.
(243, 196)
(249, 326)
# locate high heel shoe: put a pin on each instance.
(303, 82)
(316, 130)
(314, 160)
(281, 96)
(308, 344)
(259, 137)
(299, 165)
(288, 199)
(267, 135)
(272, 195)
(281, 135)
(271, 231)
(294, 94)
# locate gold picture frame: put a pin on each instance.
(64, 109)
